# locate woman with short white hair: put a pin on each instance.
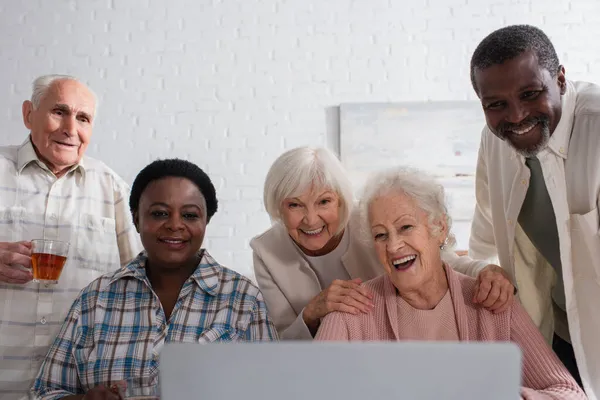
(312, 261)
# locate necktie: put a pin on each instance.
(539, 223)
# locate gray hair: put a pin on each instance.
(419, 186)
(42, 84)
(296, 170)
(510, 42)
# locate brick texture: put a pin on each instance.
(230, 84)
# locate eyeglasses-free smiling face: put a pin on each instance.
(61, 126)
(403, 241)
(521, 101)
(171, 220)
(313, 218)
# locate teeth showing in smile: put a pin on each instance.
(314, 232)
(403, 260)
(173, 241)
(523, 130)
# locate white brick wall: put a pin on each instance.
(230, 84)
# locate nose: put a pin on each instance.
(174, 222)
(516, 113)
(70, 125)
(394, 244)
(311, 217)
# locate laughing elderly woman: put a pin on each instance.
(421, 298)
(311, 261)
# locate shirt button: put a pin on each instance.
(562, 150)
(53, 217)
(524, 182)
(43, 321)
(510, 222)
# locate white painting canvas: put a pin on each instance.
(441, 138)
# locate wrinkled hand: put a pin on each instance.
(345, 296)
(494, 289)
(101, 392)
(11, 255)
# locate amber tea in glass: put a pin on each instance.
(48, 259)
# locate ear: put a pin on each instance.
(27, 109)
(442, 226)
(562, 80)
(136, 221)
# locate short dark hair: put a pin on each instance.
(174, 167)
(510, 42)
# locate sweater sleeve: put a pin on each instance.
(544, 376)
(333, 328)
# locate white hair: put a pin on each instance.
(297, 170)
(42, 84)
(427, 193)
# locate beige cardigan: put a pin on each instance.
(287, 281)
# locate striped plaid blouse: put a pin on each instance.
(116, 328)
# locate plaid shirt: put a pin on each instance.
(116, 328)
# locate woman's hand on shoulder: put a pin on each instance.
(342, 295)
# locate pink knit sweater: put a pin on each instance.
(544, 376)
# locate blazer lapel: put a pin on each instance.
(351, 262)
(360, 260)
(294, 276)
(304, 284)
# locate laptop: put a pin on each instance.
(335, 370)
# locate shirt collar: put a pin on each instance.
(26, 155)
(559, 141)
(207, 274)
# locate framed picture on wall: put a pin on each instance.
(441, 138)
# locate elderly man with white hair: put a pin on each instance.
(312, 261)
(50, 190)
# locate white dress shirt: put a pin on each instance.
(571, 169)
(87, 207)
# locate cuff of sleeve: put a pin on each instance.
(297, 330)
(481, 264)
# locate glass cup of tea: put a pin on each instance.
(48, 259)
